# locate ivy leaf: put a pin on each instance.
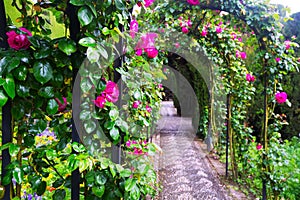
(21, 73)
(13, 64)
(100, 178)
(85, 85)
(85, 16)
(3, 98)
(129, 184)
(114, 133)
(18, 175)
(78, 2)
(46, 92)
(59, 194)
(98, 191)
(41, 188)
(52, 107)
(119, 4)
(87, 42)
(125, 173)
(29, 140)
(9, 86)
(89, 126)
(3, 64)
(42, 71)
(13, 149)
(23, 91)
(67, 46)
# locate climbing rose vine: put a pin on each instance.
(19, 41)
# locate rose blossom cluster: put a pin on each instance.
(110, 94)
(241, 54)
(136, 147)
(147, 44)
(137, 103)
(185, 24)
(250, 78)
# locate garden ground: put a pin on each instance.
(187, 171)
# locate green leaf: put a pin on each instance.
(3, 98)
(13, 149)
(42, 71)
(13, 64)
(85, 16)
(129, 184)
(120, 4)
(89, 126)
(114, 114)
(87, 42)
(103, 51)
(125, 173)
(18, 174)
(3, 64)
(90, 178)
(78, 147)
(18, 111)
(67, 46)
(59, 194)
(85, 85)
(9, 86)
(42, 53)
(58, 183)
(105, 31)
(23, 91)
(114, 133)
(98, 190)
(41, 188)
(29, 140)
(21, 73)
(52, 107)
(100, 178)
(85, 115)
(78, 2)
(46, 92)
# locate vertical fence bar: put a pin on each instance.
(74, 31)
(227, 133)
(6, 110)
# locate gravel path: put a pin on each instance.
(184, 170)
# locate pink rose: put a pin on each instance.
(259, 146)
(287, 44)
(243, 55)
(134, 27)
(233, 36)
(204, 32)
(177, 45)
(100, 101)
(281, 97)
(136, 104)
(184, 29)
(237, 54)
(277, 59)
(151, 52)
(219, 29)
(111, 92)
(250, 78)
(240, 39)
(61, 106)
(193, 2)
(146, 41)
(189, 23)
(18, 41)
(139, 52)
(148, 109)
(148, 2)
